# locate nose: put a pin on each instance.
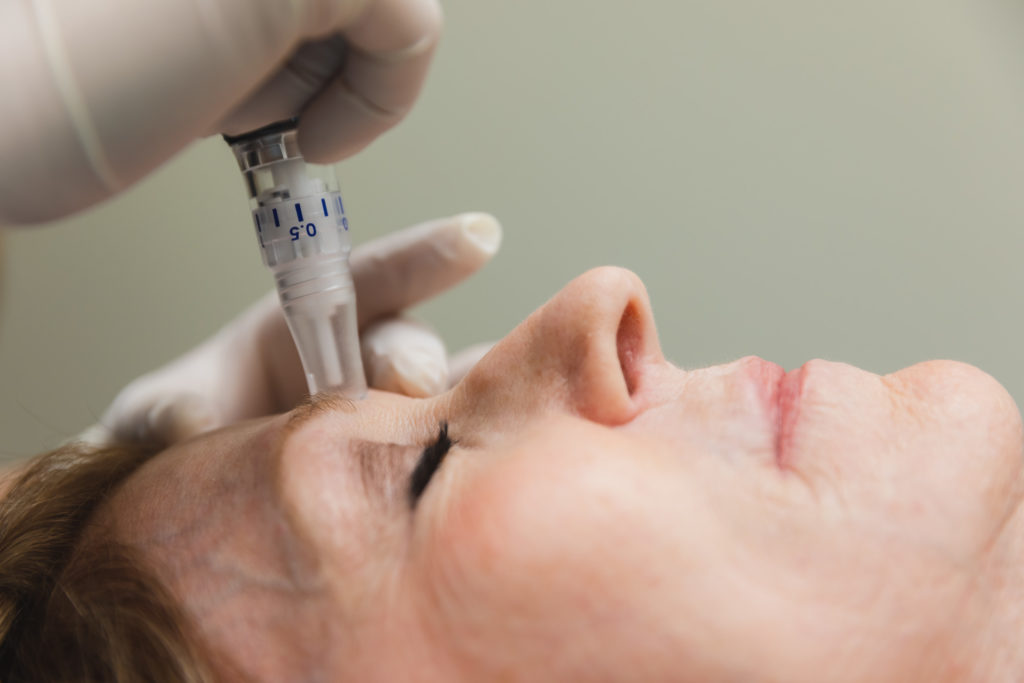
(585, 350)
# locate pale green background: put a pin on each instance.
(793, 179)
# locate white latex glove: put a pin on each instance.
(97, 93)
(250, 367)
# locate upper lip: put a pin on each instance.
(780, 391)
(788, 396)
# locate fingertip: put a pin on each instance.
(391, 46)
(483, 232)
(408, 266)
(334, 131)
(392, 29)
(409, 372)
(419, 373)
(406, 357)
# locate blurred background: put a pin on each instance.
(792, 179)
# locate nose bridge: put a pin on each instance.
(583, 352)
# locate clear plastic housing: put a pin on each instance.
(302, 230)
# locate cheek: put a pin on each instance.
(559, 537)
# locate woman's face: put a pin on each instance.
(604, 515)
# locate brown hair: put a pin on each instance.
(73, 611)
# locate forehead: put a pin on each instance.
(203, 483)
(197, 480)
(343, 474)
(290, 485)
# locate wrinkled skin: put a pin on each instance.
(605, 515)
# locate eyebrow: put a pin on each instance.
(380, 467)
(314, 406)
(374, 464)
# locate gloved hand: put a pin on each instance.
(250, 367)
(97, 93)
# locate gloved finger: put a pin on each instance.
(405, 356)
(406, 267)
(251, 368)
(85, 113)
(461, 363)
(390, 46)
(307, 72)
(390, 274)
(223, 380)
(162, 420)
(170, 419)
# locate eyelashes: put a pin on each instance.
(429, 462)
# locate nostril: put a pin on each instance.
(596, 340)
(629, 339)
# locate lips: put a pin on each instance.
(790, 389)
(767, 378)
(780, 392)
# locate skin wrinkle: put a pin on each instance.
(384, 470)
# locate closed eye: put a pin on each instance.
(429, 462)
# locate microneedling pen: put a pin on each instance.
(303, 235)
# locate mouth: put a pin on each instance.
(789, 391)
(780, 393)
